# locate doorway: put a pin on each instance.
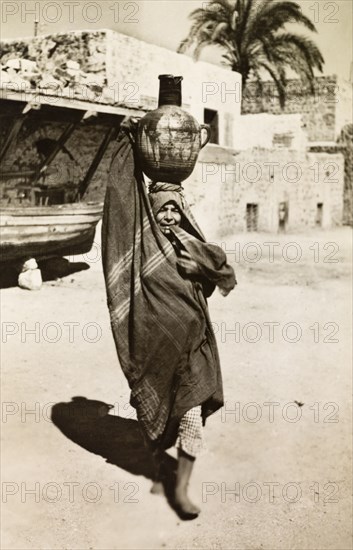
(252, 215)
(211, 118)
(319, 214)
(282, 216)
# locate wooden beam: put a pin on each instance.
(12, 108)
(70, 103)
(106, 119)
(12, 135)
(83, 185)
(59, 145)
(58, 114)
(15, 174)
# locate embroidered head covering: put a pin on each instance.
(162, 193)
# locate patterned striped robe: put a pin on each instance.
(159, 319)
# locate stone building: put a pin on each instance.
(318, 110)
(310, 123)
(98, 77)
(286, 171)
(257, 173)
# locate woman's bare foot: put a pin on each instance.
(184, 506)
(157, 488)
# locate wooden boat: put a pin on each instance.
(47, 231)
(45, 211)
(37, 221)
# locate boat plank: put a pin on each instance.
(45, 221)
(54, 210)
(28, 232)
(47, 231)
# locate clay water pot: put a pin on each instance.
(169, 139)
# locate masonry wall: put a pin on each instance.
(105, 68)
(344, 111)
(69, 166)
(225, 182)
(318, 109)
(222, 184)
(301, 179)
(205, 86)
(271, 131)
(109, 68)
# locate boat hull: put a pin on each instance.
(47, 231)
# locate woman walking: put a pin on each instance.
(159, 272)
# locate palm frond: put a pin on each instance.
(201, 45)
(234, 19)
(274, 16)
(226, 5)
(280, 84)
(279, 13)
(219, 29)
(254, 38)
(300, 43)
(245, 7)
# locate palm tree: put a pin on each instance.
(255, 40)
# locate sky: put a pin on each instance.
(165, 23)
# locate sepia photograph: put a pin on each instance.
(176, 215)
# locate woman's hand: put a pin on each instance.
(129, 126)
(223, 291)
(187, 264)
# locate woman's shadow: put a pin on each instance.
(119, 440)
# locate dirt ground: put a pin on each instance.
(277, 471)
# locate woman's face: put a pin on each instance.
(168, 216)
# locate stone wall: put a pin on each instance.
(104, 69)
(270, 131)
(344, 110)
(108, 68)
(223, 185)
(345, 140)
(70, 164)
(318, 109)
